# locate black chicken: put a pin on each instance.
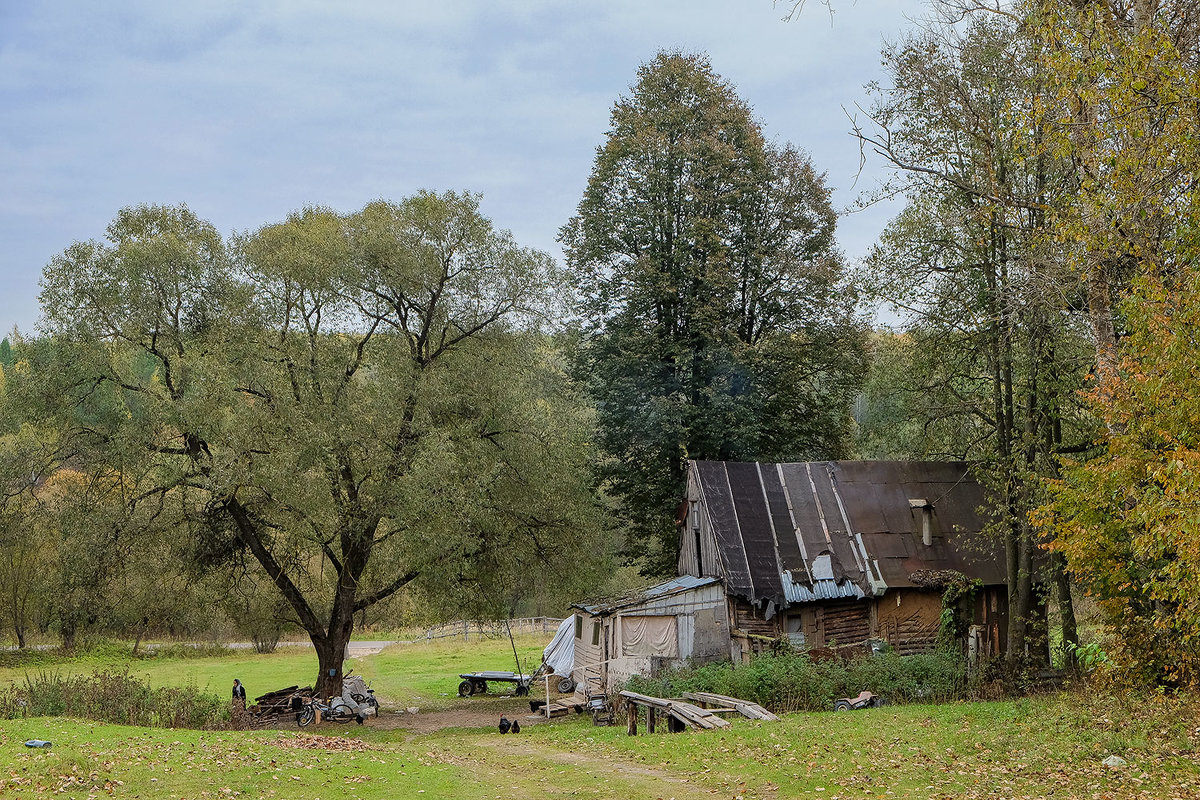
(516, 727)
(505, 725)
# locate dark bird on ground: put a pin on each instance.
(505, 724)
(516, 728)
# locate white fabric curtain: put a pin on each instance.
(649, 636)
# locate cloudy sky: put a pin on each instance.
(248, 109)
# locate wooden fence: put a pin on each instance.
(479, 630)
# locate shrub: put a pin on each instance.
(795, 682)
(115, 697)
(184, 650)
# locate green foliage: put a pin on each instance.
(113, 697)
(1126, 520)
(958, 610)
(998, 340)
(1088, 657)
(794, 681)
(718, 326)
(356, 404)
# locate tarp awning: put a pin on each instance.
(559, 655)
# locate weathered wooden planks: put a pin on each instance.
(743, 707)
(270, 706)
(686, 713)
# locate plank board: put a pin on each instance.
(743, 707)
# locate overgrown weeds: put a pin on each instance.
(115, 697)
(796, 682)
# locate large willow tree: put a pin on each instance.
(355, 403)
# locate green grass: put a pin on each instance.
(423, 674)
(426, 674)
(1037, 747)
(1049, 746)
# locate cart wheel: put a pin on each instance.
(566, 686)
(842, 705)
(521, 690)
(480, 687)
(466, 689)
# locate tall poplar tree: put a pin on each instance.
(717, 326)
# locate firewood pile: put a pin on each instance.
(269, 707)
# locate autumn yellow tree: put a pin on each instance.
(1128, 520)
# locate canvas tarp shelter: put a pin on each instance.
(559, 655)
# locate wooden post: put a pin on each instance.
(651, 714)
(631, 711)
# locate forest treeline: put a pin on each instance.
(401, 414)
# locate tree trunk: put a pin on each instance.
(331, 646)
(69, 630)
(139, 633)
(331, 655)
(18, 613)
(1066, 606)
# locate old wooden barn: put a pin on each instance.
(840, 552)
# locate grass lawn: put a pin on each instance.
(1048, 746)
(1043, 747)
(423, 674)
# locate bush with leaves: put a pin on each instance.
(796, 682)
(115, 697)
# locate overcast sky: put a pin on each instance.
(247, 110)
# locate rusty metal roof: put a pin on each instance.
(800, 532)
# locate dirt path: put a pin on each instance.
(479, 716)
(595, 774)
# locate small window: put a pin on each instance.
(578, 627)
(596, 632)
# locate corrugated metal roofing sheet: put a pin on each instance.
(801, 592)
(773, 522)
(681, 584)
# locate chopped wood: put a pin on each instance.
(743, 707)
(269, 706)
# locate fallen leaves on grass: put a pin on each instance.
(301, 741)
